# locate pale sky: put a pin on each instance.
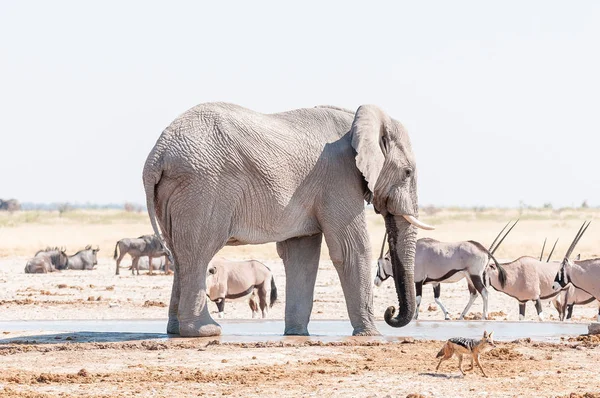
(502, 101)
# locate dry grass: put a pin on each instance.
(23, 233)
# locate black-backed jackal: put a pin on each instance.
(461, 346)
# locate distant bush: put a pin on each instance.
(10, 205)
(429, 210)
(63, 208)
(585, 205)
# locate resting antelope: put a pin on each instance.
(85, 259)
(227, 279)
(527, 279)
(447, 262)
(48, 260)
(584, 274)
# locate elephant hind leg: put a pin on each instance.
(301, 261)
(195, 241)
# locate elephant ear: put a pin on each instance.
(369, 129)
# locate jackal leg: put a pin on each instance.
(460, 358)
(440, 362)
(472, 365)
(478, 364)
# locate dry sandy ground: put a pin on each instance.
(355, 368)
(183, 367)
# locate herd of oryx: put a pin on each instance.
(225, 279)
(567, 282)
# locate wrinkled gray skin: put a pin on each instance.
(145, 245)
(223, 175)
(48, 260)
(85, 259)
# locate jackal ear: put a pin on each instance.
(485, 334)
(490, 335)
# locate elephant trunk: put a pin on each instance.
(402, 239)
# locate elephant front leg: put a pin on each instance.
(301, 261)
(351, 255)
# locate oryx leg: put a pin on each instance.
(522, 310)
(437, 290)
(419, 295)
(221, 307)
(569, 311)
(253, 303)
(478, 283)
(539, 309)
(264, 292)
(473, 296)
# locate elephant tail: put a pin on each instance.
(273, 292)
(153, 170)
(115, 254)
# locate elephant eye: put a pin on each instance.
(407, 173)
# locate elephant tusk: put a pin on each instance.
(414, 221)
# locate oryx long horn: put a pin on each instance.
(383, 244)
(543, 247)
(577, 237)
(492, 245)
(504, 237)
(551, 251)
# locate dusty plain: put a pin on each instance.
(206, 367)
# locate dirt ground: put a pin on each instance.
(203, 367)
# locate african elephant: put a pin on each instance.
(221, 175)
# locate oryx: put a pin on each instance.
(527, 279)
(584, 274)
(447, 262)
(227, 279)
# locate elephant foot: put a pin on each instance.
(173, 326)
(365, 332)
(199, 329)
(296, 331)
